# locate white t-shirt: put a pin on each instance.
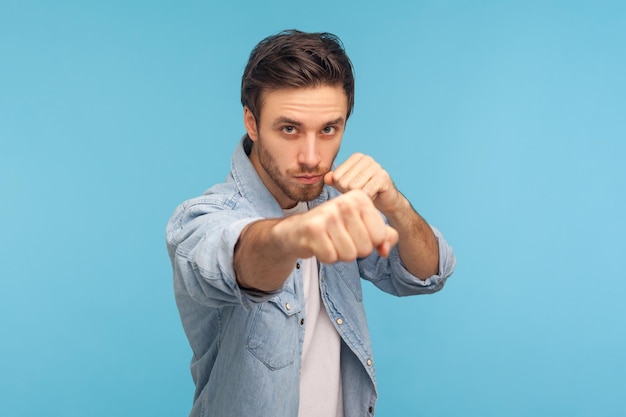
(320, 377)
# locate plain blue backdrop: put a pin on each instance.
(503, 122)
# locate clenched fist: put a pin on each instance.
(362, 172)
(342, 229)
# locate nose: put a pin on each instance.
(309, 155)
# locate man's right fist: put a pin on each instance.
(343, 229)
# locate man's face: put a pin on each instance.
(297, 139)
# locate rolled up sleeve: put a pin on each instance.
(390, 275)
(201, 239)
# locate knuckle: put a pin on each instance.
(314, 227)
(342, 203)
(348, 202)
(311, 226)
(353, 194)
(343, 183)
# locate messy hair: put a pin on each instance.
(295, 59)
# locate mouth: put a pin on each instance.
(308, 179)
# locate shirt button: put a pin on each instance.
(339, 321)
(297, 265)
(301, 322)
(369, 362)
(371, 409)
(288, 306)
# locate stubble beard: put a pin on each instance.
(294, 191)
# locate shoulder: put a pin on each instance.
(220, 203)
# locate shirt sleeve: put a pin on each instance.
(390, 275)
(201, 238)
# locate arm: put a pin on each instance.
(342, 229)
(417, 244)
(201, 237)
(260, 259)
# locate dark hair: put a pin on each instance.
(297, 59)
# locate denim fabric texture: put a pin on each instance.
(247, 346)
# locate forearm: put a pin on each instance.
(417, 243)
(260, 259)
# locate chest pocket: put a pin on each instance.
(273, 337)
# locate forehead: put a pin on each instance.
(309, 102)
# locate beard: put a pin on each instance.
(293, 190)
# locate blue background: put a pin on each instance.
(503, 122)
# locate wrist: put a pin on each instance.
(398, 207)
(284, 236)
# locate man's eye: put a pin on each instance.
(328, 130)
(289, 129)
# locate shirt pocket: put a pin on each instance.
(273, 337)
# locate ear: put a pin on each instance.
(249, 122)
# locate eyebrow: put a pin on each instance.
(286, 120)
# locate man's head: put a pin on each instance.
(297, 93)
(294, 59)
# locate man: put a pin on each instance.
(267, 265)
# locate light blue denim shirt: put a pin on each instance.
(247, 346)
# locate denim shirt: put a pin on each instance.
(247, 346)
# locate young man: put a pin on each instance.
(267, 265)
